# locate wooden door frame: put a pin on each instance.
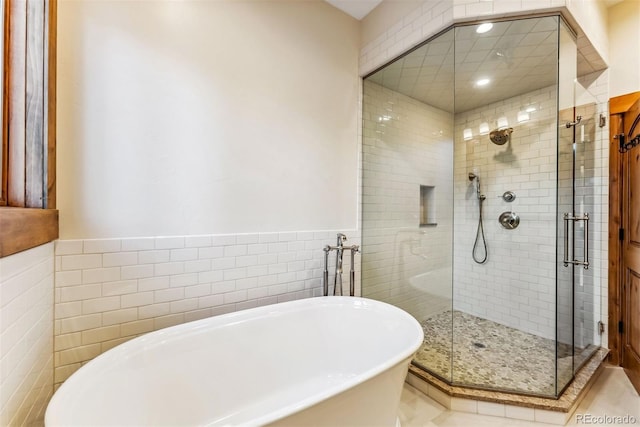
(617, 107)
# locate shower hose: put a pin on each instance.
(480, 236)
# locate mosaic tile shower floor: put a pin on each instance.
(490, 355)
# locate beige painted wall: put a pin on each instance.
(624, 33)
(206, 117)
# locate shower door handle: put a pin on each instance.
(585, 257)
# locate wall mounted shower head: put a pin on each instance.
(472, 176)
(501, 136)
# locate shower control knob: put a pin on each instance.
(509, 220)
(509, 196)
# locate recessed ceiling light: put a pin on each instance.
(482, 82)
(483, 28)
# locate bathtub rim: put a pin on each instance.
(155, 338)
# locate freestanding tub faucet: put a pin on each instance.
(337, 280)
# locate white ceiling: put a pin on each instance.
(517, 56)
(356, 8)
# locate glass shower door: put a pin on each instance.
(580, 140)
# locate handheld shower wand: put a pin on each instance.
(472, 177)
(480, 231)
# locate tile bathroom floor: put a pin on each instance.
(612, 395)
(480, 359)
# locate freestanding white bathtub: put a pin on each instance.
(334, 361)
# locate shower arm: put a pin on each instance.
(578, 120)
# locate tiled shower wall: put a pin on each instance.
(109, 291)
(428, 18)
(516, 286)
(406, 144)
(26, 335)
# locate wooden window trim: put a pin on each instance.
(22, 225)
(25, 228)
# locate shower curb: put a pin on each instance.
(512, 405)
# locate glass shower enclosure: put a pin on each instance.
(478, 151)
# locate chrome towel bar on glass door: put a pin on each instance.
(567, 218)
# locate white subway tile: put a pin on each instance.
(137, 272)
(197, 315)
(210, 276)
(154, 310)
(68, 309)
(153, 283)
(236, 273)
(170, 242)
(68, 278)
(197, 266)
(182, 280)
(250, 282)
(66, 341)
(519, 413)
(223, 263)
(246, 261)
(233, 297)
(138, 244)
(79, 293)
(137, 299)
(98, 275)
(197, 241)
(197, 290)
(168, 268)
(257, 293)
(211, 252)
(222, 287)
(62, 373)
(79, 354)
(79, 262)
(168, 321)
(223, 240)
(68, 247)
(184, 305)
(257, 249)
(165, 295)
(108, 345)
(210, 301)
(154, 256)
(268, 238)
(119, 259)
(187, 254)
(101, 246)
(119, 316)
(136, 328)
(119, 288)
(98, 335)
(244, 239)
(491, 408)
(80, 323)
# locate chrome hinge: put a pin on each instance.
(600, 327)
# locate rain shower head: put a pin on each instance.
(501, 136)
